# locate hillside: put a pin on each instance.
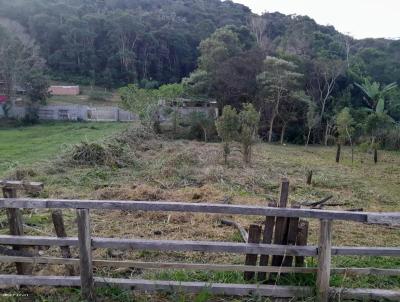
(115, 42)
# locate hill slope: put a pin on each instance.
(114, 42)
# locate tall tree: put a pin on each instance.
(278, 84)
(321, 84)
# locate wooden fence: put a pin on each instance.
(85, 242)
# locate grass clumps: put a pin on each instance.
(89, 154)
(119, 151)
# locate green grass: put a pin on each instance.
(24, 146)
(179, 170)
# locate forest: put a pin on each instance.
(308, 83)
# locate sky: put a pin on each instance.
(359, 18)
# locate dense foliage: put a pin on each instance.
(297, 74)
(116, 42)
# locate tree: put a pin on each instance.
(21, 65)
(173, 94)
(291, 110)
(227, 127)
(345, 129)
(375, 94)
(222, 45)
(249, 119)
(321, 84)
(142, 102)
(376, 126)
(278, 83)
(201, 121)
(312, 120)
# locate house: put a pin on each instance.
(64, 90)
(185, 107)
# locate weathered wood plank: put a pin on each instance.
(16, 225)
(154, 286)
(198, 266)
(302, 238)
(251, 259)
(167, 206)
(193, 287)
(324, 261)
(22, 185)
(281, 224)
(59, 227)
(293, 227)
(365, 294)
(366, 251)
(85, 255)
(267, 239)
(200, 246)
(392, 219)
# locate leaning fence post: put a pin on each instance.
(17, 229)
(59, 227)
(251, 259)
(324, 260)
(267, 239)
(85, 255)
(281, 222)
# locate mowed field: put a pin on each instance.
(149, 167)
(22, 146)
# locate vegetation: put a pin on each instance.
(228, 127)
(275, 77)
(20, 146)
(150, 167)
(276, 62)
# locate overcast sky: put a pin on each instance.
(359, 18)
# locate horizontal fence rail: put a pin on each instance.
(197, 287)
(199, 246)
(168, 206)
(85, 243)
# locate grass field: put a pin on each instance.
(148, 167)
(21, 146)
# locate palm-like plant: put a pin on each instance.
(375, 94)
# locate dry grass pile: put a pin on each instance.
(120, 151)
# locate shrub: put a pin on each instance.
(99, 96)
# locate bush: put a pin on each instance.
(99, 96)
(391, 139)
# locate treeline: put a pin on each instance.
(115, 42)
(304, 79)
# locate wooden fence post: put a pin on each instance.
(293, 228)
(324, 260)
(281, 222)
(85, 255)
(17, 229)
(309, 177)
(267, 239)
(302, 238)
(251, 259)
(59, 227)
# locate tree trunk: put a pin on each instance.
(339, 147)
(308, 137)
(205, 135)
(352, 153)
(375, 155)
(326, 134)
(226, 152)
(246, 154)
(271, 126)
(283, 133)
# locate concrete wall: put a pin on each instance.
(64, 90)
(75, 113)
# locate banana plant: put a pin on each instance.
(375, 94)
